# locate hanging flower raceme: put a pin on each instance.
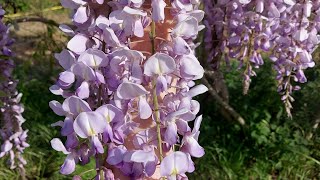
(287, 31)
(13, 137)
(128, 106)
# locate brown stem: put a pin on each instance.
(36, 19)
(224, 104)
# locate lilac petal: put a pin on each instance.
(102, 22)
(301, 76)
(137, 170)
(162, 84)
(115, 155)
(190, 67)
(126, 168)
(78, 43)
(57, 108)
(192, 147)
(139, 156)
(180, 46)
(81, 15)
(67, 127)
(158, 10)
(111, 113)
(175, 163)
(66, 29)
(94, 58)
(108, 174)
(145, 110)
(159, 64)
(145, 137)
(100, 77)
(57, 145)
(307, 8)
(84, 71)
(118, 136)
(132, 11)
(6, 146)
(68, 166)
(198, 14)
(129, 26)
(301, 35)
(176, 114)
(259, 6)
(75, 105)
(89, 124)
(132, 22)
(56, 90)
(129, 90)
(195, 107)
(97, 144)
(67, 77)
(138, 28)
(72, 141)
(83, 91)
(289, 2)
(110, 37)
(187, 28)
(136, 72)
(150, 167)
(199, 89)
(183, 126)
(170, 134)
(197, 124)
(244, 1)
(100, 1)
(66, 59)
(108, 134)
(273, 11)
(191, 167)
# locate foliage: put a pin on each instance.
(18, 6)
(271, 146)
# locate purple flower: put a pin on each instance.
(158, 10)
(190, 143)
(13, 136)
(112, 90)
(175, 165)
(90, 124)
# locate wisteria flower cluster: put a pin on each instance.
(286, 30)
(130, 109)
(13, 137)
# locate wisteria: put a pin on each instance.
(286, 31)
(128, 83)
(13, 137)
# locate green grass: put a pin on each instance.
(21, 6)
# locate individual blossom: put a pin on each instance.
(175, 165)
